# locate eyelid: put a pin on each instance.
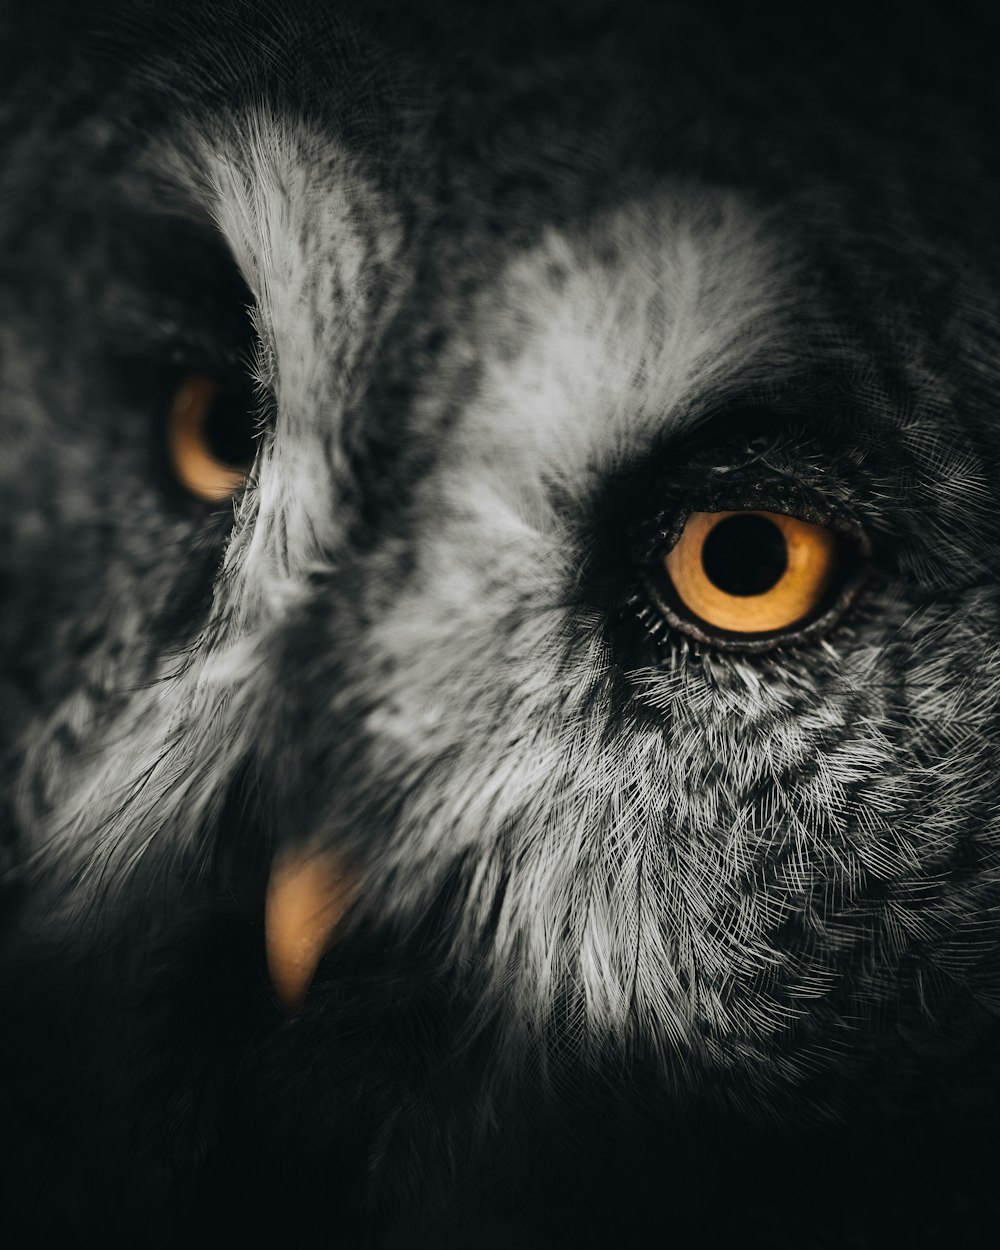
(189, 338)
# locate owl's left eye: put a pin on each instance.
(210, 437)
(751, 577)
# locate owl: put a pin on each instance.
(500, 548)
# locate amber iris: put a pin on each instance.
(752, 572)
(209, 438)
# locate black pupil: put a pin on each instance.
(745, 555)
(229, 428)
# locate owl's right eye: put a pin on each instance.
(752, 572)
(210, 438)
(751, 579)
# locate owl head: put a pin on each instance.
(500, 543)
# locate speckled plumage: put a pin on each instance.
(641, 921)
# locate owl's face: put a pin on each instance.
(578, 527)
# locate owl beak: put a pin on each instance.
(308, 895)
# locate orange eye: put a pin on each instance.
(209, 438)
(753, 572)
